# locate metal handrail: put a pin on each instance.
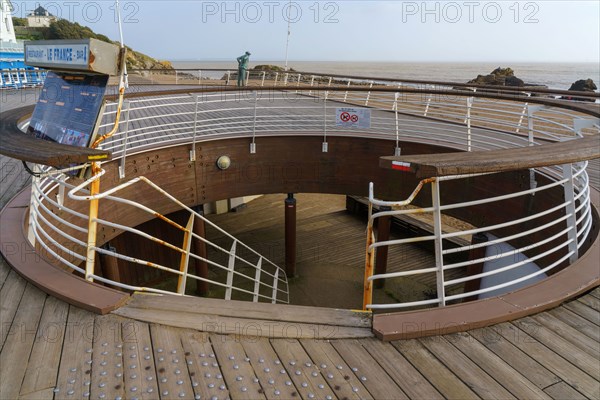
(271, 277)
(179, 118)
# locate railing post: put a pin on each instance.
(530, 138)
(176, 77)
(276, 77)
(275, 285)
(33, 207)
(92, 225)
(253, 144)
(193, 151)
(325, 146)
(228, 78)
(468, 121)
(346, 94)
(429, 97)
(247, 77)
(369, 94)
(285, 79)
(397, 149)
(185, 257)
(257, 280)
(437, 228)
(569, 190)
(312, 83)
(264, 74)
(523, 113)
(230, 269)
(199, 77)
(369, 262)
(126, 105)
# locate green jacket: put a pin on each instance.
(243, 61)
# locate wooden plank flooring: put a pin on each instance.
(50, 350)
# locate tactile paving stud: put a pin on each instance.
(354, 369)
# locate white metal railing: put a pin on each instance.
(561, 238)
(246, 272)
(165, 120)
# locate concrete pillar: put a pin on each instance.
(384, 225)
(290, 235)
(200, 267)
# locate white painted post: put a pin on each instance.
(397, 150)
(325, 146)
(230, 269)
(264, 74)
(523, 113)
(346, 94)
(369, 94)
(275, 284)
(253, 144)
(257, 280)
(276, 77)
(127, 106)
(193, 151)
(437, 228)
(570, 210)
(469, 105)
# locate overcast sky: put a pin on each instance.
(445, 31)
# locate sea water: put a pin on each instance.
(553, 75)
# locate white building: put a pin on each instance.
(40, 18)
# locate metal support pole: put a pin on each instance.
(228, 78)
(570, 210)
(369, 94)
(247, 78)
(200, 267)
(275, 284)
(468, 121)
(230, 269)
(429, 96)
(185, 257)
(523, 113)
(290, 235)
(346, 94)
(325, 146)
(33, 207)
(437, 227)
(127, 106)
(369, 263)
(193, 151)
(199, 77)
(276, 77)
(92, 225)
(264, 74)
(257, 280)
(253, 144)
(176, 77)
(397, 150)
(384, 225)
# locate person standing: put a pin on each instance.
(242, 68)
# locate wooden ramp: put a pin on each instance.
(247, 319)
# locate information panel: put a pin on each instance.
(353, 117)
(68, 108)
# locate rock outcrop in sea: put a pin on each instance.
(582, 85)
(498, 77)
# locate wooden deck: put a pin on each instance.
(51, 350)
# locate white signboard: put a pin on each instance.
(63, 54)
(353, 117)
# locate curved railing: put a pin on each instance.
(459, 119)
